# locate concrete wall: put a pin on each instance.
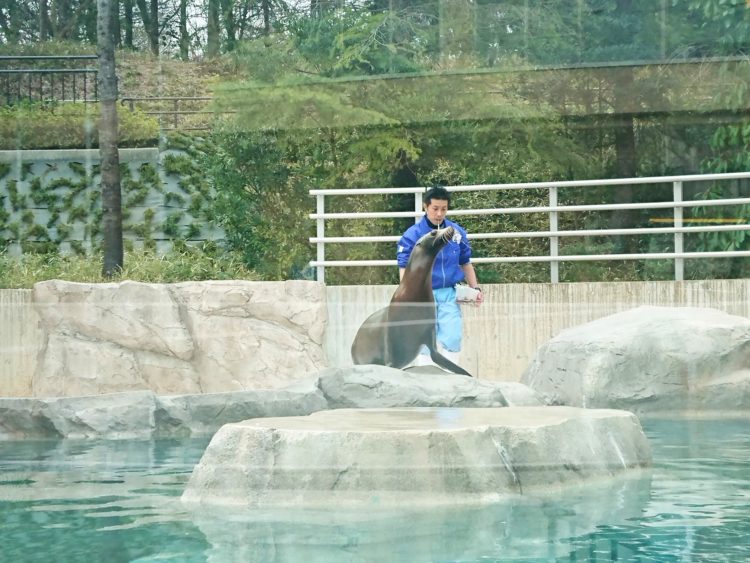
(501, 336)
(21, 339)
(51, 187)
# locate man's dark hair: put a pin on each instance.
(436, 192)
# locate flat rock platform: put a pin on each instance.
(418, 456)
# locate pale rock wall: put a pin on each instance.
(192, 337)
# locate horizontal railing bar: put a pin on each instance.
(46, 57)
(367, 191)
(545, 209)
(547, 234)
(341, 263)
(185, 112)
(49, 71)
(560, 184)
(384, 238)
(571, 258)
(606, 182)
(589, 257)
(202, 128)
(608, 206)
(164, 98)
(616, 232)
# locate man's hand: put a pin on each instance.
(480, 298)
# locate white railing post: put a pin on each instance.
(554, 265)
(418, 205)
(320, 232)
(679, 263)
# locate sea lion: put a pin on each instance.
(393, 335)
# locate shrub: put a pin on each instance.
(185, 263)
(69, 125)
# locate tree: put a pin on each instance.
(110, 160)
(184, 40)
(150, 22)
(44, 23)
(127, 41)
(213, 30)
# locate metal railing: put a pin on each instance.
(677, 205)
(172, 111)
(25, 78)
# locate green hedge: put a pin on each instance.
(183, 263)
(69, 125)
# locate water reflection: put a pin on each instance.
(119, 501)
(519, 527)
(97, 501)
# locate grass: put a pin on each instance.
(185, 264)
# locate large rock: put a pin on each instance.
(379, 386)
(193, 337)
(142, 414)
(649, 360)
(413, 456)
(112, 416)
(202, 415)
(122, 416)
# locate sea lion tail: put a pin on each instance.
(444, 362)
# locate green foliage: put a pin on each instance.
(48, 48)
(723, 240)
(68, 125)
(360, 96)
(17, 200)
(66, 203)
(352, 41)
(269, 60)
(729, 143)
(184, 263)
(261, 200)
(171, 226)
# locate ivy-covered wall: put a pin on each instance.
(51, 200)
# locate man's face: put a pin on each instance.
(436, 210)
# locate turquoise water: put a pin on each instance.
(120, 501)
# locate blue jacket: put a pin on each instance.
(447, 270)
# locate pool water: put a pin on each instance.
(120, 501)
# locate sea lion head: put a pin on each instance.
(434, 241)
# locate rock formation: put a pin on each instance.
(143, 414)
(649, 360)
(413, 456)
(192, 337)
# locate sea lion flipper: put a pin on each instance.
(444, 362)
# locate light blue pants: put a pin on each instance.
(449, 319)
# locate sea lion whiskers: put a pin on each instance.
(447, 235)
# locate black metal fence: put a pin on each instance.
(41, 78)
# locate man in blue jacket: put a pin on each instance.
(452, 266)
